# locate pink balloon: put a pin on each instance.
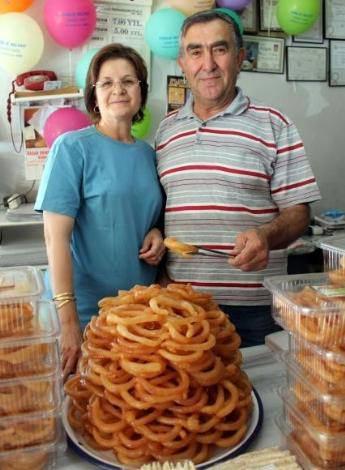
(233, 4)
(70, 22)
(64, 120)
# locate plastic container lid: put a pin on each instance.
(20, 284)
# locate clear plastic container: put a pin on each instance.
(28, 430)
(41, 457)
(302, 305)
(20, 290)
(36, 351)
(28, 394)
(328, 409)
(324, 446)
(289, 441)
(325, 369)
(334, 261)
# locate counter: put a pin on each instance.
(266, 375)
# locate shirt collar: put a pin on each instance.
(238, 105)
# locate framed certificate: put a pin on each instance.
(336, 63)
(263, 54)
(306, 64)
(268, 18)
(314, 34)
(334, 19)
(249, 17)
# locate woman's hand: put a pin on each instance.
(70, 344)
(153, 248)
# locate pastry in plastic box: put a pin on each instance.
(305, 306)
(325, 447)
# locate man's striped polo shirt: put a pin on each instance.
(222, 176)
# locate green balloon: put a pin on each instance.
(297, 16)
(142, 128)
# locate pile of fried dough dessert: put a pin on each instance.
(159, 378)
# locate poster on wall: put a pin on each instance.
(35, 148)
(122, 21)
(177, 92)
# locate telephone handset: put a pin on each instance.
(35, 79)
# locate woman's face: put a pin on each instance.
(118, 94)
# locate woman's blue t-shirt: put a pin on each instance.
(112, 191)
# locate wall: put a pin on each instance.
(316, 109)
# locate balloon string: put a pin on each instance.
(70, 67)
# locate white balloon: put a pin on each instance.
(21, 42)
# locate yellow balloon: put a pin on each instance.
(188, 7)
(21, 42)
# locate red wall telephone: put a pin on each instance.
(35, 79)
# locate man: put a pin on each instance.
(235, 175)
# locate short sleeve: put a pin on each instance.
(61, 183)
(293, 181)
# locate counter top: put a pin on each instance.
(265, 374)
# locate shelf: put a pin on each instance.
(66, 92)
(4, 222)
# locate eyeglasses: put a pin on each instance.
(124, 84)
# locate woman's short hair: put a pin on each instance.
(109, 52)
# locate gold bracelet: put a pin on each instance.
(64, 296)
(64, 302)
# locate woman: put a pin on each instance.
(101, 199)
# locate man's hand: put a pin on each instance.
(153, 248)
(251, 251)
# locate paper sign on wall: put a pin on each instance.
(124, 22)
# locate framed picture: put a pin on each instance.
(314, 34)
(336, 63)
(268, 19)
(249, 18)
(263, 54)
(334, 19)
(306, 64)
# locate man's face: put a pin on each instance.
(211, 62)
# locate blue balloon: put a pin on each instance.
(83, 67)
(162, 32)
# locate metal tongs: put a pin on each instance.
(211, 253)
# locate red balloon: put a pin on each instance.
(70, 22)
(63, 120)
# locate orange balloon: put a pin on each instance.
(7, 6)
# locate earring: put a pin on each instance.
(96, 109)
(184, 79)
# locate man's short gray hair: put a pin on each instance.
(207, 16)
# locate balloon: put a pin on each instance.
(14, 5)
(233, 4)
(70, 23)
(21, 42)
(162, 32)
(188, 7)
(83, 67)
(142, 128)
(63, 120)
(296, 16)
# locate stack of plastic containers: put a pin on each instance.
(30, 373)
(311, 307)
